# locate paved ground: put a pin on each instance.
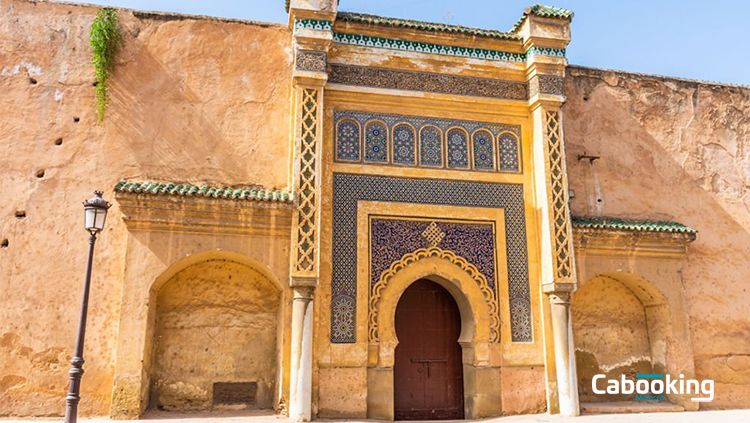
(726, 416)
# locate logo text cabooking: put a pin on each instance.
(650, 387)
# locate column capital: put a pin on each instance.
(303, 292)
(303, 282)
(561, 295)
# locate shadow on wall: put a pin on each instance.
(675, 150)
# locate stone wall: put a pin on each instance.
(193, 99)
(676, 150)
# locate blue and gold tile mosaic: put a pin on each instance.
(418, 141)
(472, 242)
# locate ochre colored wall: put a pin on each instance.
(215, 322)
(610, 334)
(192, 99)
(675, 150)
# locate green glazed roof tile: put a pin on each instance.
(205, 190)
(543, 11)
(631, 225)
(362, 18)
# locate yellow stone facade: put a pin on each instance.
(294, 208)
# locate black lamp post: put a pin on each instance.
(96, 213)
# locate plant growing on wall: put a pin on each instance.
(104, 38)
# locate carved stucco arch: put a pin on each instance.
(480, 282)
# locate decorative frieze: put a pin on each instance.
(316, 24)
(419, 47)
(545, 84)
(310, 60)
(545, 51)
(445, 50)
(426, 82)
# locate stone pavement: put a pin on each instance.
(723, 416)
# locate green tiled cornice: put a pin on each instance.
(543, 11)
(205, 190)
(403, 45)
(318, 24)
(631, 225)
(362, 18)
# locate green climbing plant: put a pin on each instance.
(104, 39)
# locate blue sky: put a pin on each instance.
(705, 40)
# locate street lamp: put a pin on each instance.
(95, 209)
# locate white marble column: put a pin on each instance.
(300, 389)
(562, 332)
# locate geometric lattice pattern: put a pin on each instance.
(350, 189)
(307, 208)
(418, 141)
(559, 206)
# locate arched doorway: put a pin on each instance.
(428, 374)
(215, 338)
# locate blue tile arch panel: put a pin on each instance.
(404, 140)
(376, 142)
(483, 150)
(457, 148)
(509, 152)
(432, 147)
(348, 140)
(350, 189)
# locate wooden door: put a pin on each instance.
(428, 375)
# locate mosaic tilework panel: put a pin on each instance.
(376, 142)
(391, 239)
(347, 140)
(404, 145)
(436, 142)
(457, 148)
(430, 146)
(349, 189)
(508, 146)
(483, 145)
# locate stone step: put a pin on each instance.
(628, 407)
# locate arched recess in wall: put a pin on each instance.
(215, 333)
(621, 326)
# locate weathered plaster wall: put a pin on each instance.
(215, 322)
(192, 99)
(675, 149)
(610, 333)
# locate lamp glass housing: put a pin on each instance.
(95, 210)
(95, 217)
